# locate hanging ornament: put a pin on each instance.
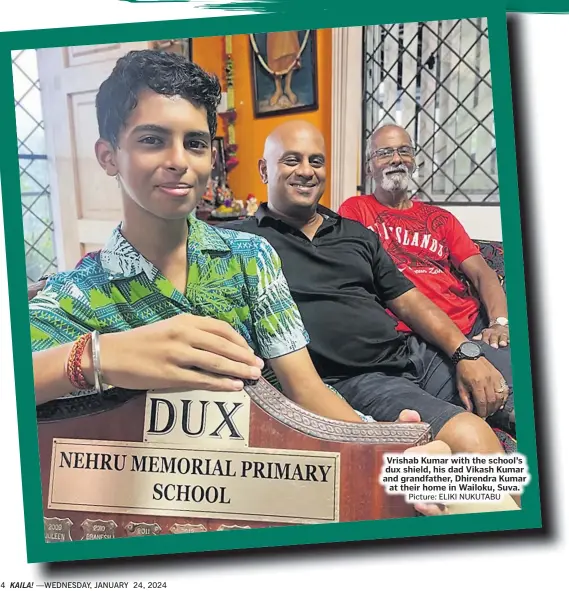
(230, 116)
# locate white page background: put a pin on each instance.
(510, 561)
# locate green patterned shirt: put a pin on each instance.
(232, 276)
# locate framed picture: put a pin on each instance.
(183, 46)
(284, 72)
(187, 49)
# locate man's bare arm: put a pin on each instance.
(487, 285)
(481, 387)
(492, 296)
(427, 320)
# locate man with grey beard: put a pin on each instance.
(343, 283)
(428, 243)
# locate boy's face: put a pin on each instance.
(164, 155)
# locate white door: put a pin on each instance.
(86, 202)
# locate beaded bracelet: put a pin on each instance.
(73, 368)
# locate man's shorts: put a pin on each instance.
(429, 387)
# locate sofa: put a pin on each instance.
(493, 253)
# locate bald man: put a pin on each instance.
(342, 281)
(428, 243)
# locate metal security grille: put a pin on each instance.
(34, 183)
(433, 78)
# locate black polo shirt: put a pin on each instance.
(340, 282)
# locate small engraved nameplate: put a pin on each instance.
(142, 529)
(187, 528)
(224, 527)
(97, 529)
(57, 530)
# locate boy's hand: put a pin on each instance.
(182, 352)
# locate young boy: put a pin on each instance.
(177, 303)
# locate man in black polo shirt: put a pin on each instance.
(342, 281)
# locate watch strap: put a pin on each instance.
(458, 355)
(498, 321)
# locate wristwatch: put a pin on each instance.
(468, 350)
(500, 320)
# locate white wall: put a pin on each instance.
(482, 223)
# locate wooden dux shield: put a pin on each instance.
(130, 463)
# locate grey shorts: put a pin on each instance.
(429, 387)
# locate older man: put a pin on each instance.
(342, 280)
(428, 244)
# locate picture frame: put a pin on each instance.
(188, 48)
(179, 45)
(276, 52)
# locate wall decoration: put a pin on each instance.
(183, 46)
(284, 72)
(230, 115)
(219, 171)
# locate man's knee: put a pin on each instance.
(468, 433)
(501, 359)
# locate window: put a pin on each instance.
(433, 78)
(34, 182)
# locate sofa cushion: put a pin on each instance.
(493, 253)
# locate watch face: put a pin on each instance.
(470, 349)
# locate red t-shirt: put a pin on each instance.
(424, 241)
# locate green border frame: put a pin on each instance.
(277, 15)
